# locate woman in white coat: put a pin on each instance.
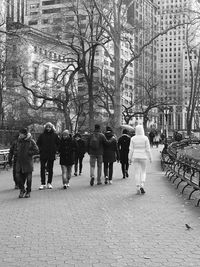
(139, 152)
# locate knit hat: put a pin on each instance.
(23, 131)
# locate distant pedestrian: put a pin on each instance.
(157, 139)
(123, 146)
(151, 137)
(25, 149)
(95, 147)
(110, 155)
(79, 154)
(12, 159)
(139, 152)
(48, 143)
(67, 150)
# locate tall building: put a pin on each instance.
(142, 16)
(173, 65)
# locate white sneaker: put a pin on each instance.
(110, 181)
(49, 186)
(68, 185)
(42, 187)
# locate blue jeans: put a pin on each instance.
(93, 160)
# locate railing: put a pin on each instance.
(178, 164)
(4, 158)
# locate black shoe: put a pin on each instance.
(99, 183)
(27, 195)
(142, 190)
(92, 181)
(79, 173)
(21, 194)
(106, 180)
(126, 174)
(75, 174)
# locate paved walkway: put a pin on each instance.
(107, 225)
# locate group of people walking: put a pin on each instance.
(103, 149)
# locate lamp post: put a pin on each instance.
(166, 113)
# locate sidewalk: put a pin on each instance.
(99, 226)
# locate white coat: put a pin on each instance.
(139, 145)
(139, 152)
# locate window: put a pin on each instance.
(45, 75)
(33, 22)
(52, 10)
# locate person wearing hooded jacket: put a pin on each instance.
(24, 150)
(48, 143)
(123, 146)
(139, 152)
(110, 155)
(68, 149)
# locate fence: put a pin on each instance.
(183, 166)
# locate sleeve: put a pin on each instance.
(11, 153)
(131, 149)
(117, 150)
(148, 149)
(34, 150)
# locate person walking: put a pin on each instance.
(157, 139)
(25, 149)
(139, 152)
(79, 154)
(110, 155)
(123, 146)
(151, 137)
(95, 147)
(48, 143)
(12, 159)
(67, 150)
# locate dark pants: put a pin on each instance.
(22, 178)
(46, 165)
(78, 160)
(108, 170)
(124, 166)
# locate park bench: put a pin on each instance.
(4, 158)
(183, 166)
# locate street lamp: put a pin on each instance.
(166, 113)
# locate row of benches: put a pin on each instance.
(178, 165)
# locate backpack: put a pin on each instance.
(94, 141)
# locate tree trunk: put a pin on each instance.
(117, 59)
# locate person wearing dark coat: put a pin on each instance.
(80, 154)
(48, 143)
(110, 155)
(123, 146)
(67, 150)
(25, 149)
(12, 159)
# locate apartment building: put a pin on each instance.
(142, 15)
(173, 63)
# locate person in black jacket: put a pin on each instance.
(48, 143)
(123, 146)
(67, 150)
(110, 155)
(80, 154)
(12, 159)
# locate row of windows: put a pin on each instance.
(50, 54)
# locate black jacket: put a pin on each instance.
(48, 143)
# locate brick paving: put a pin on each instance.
(106, 225)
